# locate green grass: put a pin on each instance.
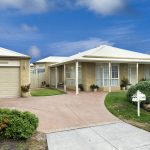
(46, 92)
(118, 104)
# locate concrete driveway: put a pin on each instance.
(64, 111)
(116, 136)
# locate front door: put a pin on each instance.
(132, 74)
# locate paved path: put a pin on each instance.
(115, 136)
(64, 111)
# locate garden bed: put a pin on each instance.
(36, 142)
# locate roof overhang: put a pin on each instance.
(16, 57)
(113, 60)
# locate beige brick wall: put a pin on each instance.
(24, 72)
(88, 75)
(123, 71)
(141, 71)
(113, 88)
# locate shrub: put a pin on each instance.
(25, 88)
(144, 87)
(81, 87)
(15, 124)
(93, 86)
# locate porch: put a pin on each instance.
(107, 75)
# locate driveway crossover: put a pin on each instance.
(115, 136)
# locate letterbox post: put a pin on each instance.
(138, 105)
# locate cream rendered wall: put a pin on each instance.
(24, 72)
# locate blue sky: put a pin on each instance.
(64, 27)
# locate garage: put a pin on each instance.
(9, 82)
(14, 73)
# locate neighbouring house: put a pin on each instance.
(104, 66)
(39, 70)
(14, 72)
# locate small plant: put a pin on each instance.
(25, 88)
(43, 84)
(143, 79)
(94, 87)
(124, 83)
(47, 85)
(81, 87)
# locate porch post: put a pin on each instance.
(77, 77)
(64, 77)
(109, 76)
(137, 71)
(56, 77)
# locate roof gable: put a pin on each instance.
(9, 53)
(52, 59)
(106, 51)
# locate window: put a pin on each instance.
(115, 75)
(70, 72)
(40, 70)
(99, 75)
(102, 75)
(106, 75)
(70, 75)
(80, 74)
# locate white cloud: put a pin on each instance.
(28, 28)
(25, 6)
(15, 33)
(104, 7)
(34, 51)
(69, 48)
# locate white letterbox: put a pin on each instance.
(138, 97)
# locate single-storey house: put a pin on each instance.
(40, 70)
(104, 66)
(14, 72)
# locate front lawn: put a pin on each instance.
(117, 104)
(45, 92)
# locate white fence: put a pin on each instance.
(37, 76)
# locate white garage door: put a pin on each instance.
(9, 82)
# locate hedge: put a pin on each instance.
(144, 87)
(15, 124)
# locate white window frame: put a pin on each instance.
(70, 81)
(103, 77)
(118, 66)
